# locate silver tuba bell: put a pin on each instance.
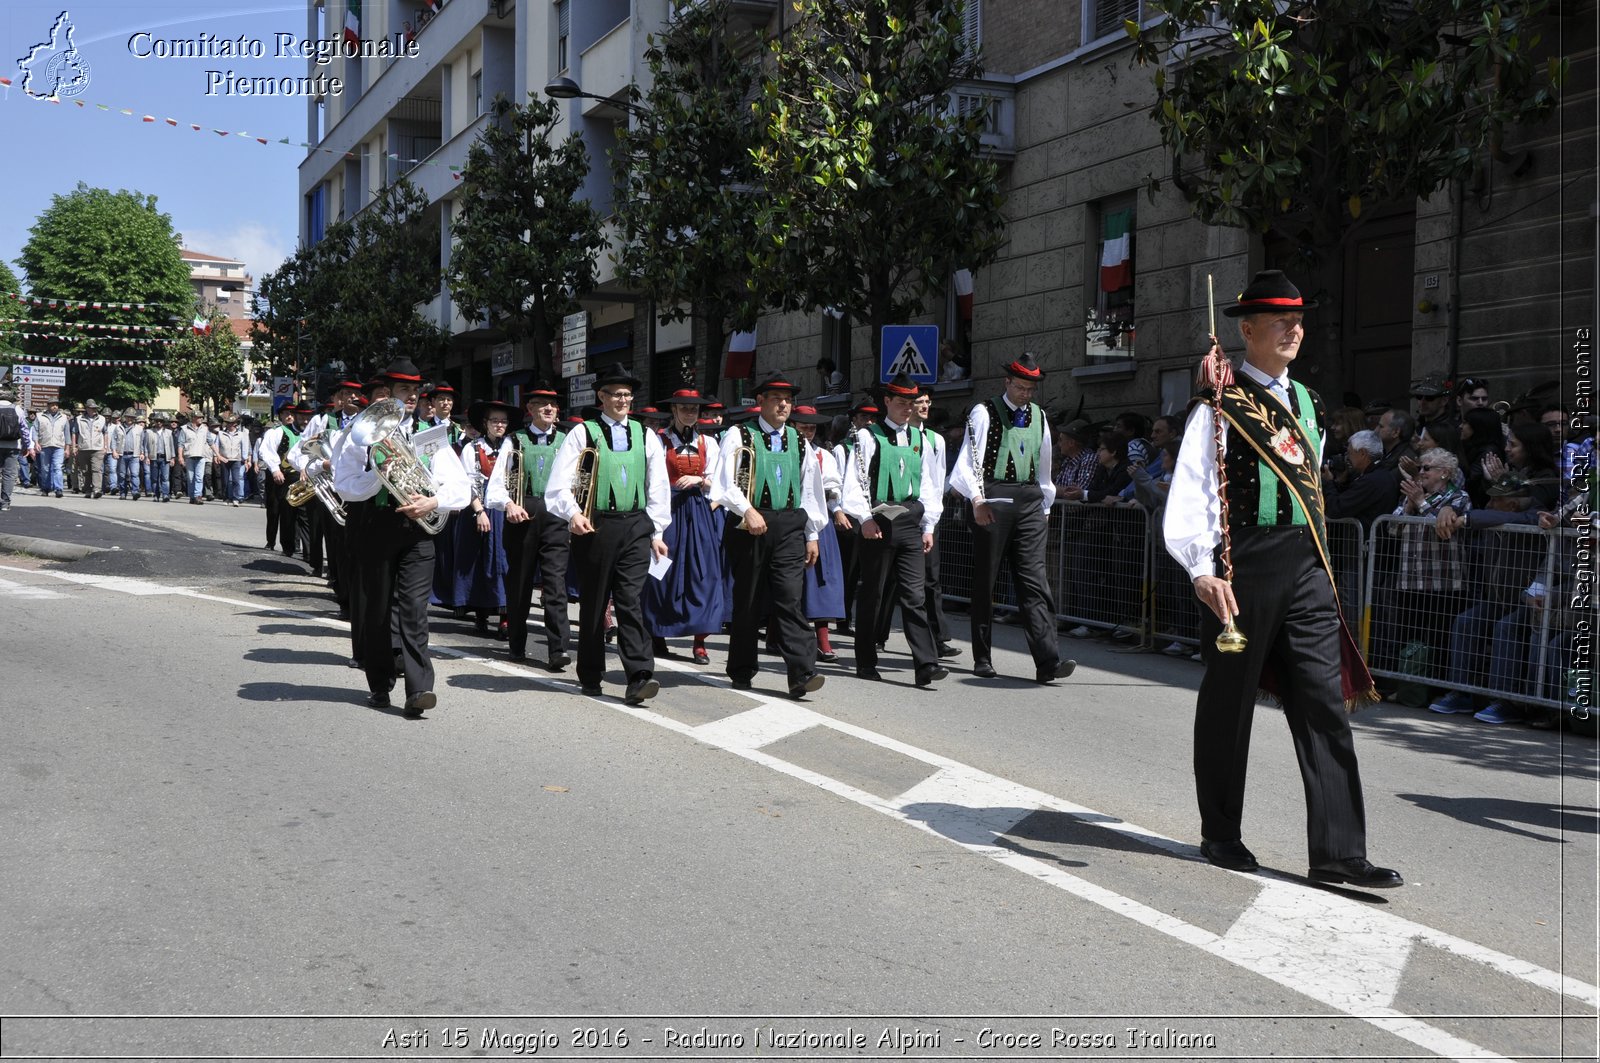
(377, 429)
(319, 486)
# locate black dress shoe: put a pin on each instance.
(984, 670)
(559, 661)
(806, 684)
(948, 650)
(870, 674)
(1060, 671)
(354, 662)
(1357, 871)
(828, 658)
(378, 699)
(741, 684)
(591, 689)
(1231, 855)
(517, 655)
(640, 691)
(420, 702)
(930, 674)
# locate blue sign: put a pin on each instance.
(912, 350)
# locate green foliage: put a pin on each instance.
(350, 300)
(208, 367)
(526, 241)
(687, 201)
(1294, 118)
(8, 308)
(875, 192)
(97, 245)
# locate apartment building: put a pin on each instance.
(1490, 280)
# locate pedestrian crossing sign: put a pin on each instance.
(912, 350)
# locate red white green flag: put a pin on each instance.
(352, 22)
(1116, 251)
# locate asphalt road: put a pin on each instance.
(202, 823)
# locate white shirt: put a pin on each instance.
(713, 448)
(355, 476)
(558, 497)
(832, 486)
(857, 500)
(725, 490)
(966, 478)
(267, 449)
(492, 491)
(1193, 525)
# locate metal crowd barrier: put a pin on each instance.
(1486, 612)
(1441, 614)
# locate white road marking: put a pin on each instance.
(30, 591)
(1331, 949)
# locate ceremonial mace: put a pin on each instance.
(1220, 375)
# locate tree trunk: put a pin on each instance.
(539, 335)
(714, 321)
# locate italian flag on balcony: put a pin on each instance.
(352, 22)
(200, 325)
(741, 361)
(1116, 251)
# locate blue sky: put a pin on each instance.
(229, 196)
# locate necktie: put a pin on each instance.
(775, 440)
(1019, 418)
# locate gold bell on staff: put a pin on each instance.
(1231, 640)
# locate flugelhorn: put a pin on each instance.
(514, 475)
(744, 478)
(583, 480)
(320, 485)
(377, 429)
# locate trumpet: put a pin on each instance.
(377, 428)
(319, 486)
(744, 477)
(583, 480)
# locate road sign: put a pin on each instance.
(53, 375)
(580, 391)
(574, 344)
(912, 350)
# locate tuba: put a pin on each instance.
(377, 429)
(319, 486)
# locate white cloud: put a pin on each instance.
(258, 247)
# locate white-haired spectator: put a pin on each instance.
(1429, 579)
(1370, 490)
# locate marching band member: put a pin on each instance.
(691, 599)
(612, 546)
(861, 415)
(324, 530)
(283, 520)
(1004, 468)
(824, 586)
(538, 544)
(444, 404)
(782, 514)
(476, 577)
(898, 505)
(394, 563)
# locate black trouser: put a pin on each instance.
(613, 562)
(272, 496)
(290, 518)
(932, 597)
(1018, 536)
(350, 544)
(1288, 614)
(541, 543)
(850, 565)
(898, 552)
(394, 567)
(317, 521)
(334, 536)
(769, 582)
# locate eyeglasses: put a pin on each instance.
(1428, 468)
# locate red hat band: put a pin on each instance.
(1021, 370)
(895, 389)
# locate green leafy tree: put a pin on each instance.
(101, 246)
(686, 178)
(349, 302)
(209, 367)
(1294, 118)
(8, 308)
(526, 242)
(875, 189)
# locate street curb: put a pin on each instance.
(49, 549)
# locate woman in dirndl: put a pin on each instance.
(824, 585)
(475, 579)
(690, 599)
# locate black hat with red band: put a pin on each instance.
(438, 390)
(542, 392)
(901, 385)
(1025, 368)
(776, 383)
(402, 370)
(686, 396)
(1270, 292)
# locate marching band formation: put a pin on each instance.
(748, 523)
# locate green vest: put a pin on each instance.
(777, 474)
(1014, 456)
(537, 461)
(620, 478)
(899, 475)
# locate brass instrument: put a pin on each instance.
(583, 480)
(377, 429)
(744, 475)
(320, 485)
(514, 474)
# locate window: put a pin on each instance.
(563, 31)
(1109, 325)
(477, 93)
(1176, 387)
(972, 27)
(1104, 18)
